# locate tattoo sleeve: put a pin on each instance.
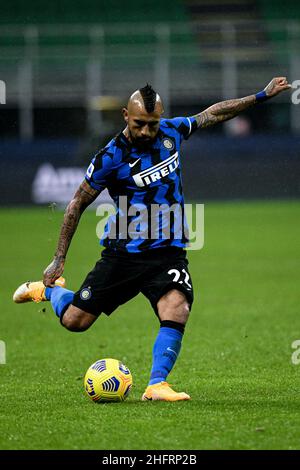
(223, 111)
(83, 197)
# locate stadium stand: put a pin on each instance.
(283, 38)
(62, 38)
(278, 10)
(65, 53)
(91, 11)
(249, 36)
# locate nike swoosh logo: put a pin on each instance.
(134, 163)
(169, 349)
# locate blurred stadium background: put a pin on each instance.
(69, 66)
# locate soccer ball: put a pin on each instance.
(107, 380)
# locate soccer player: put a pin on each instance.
(141, 164)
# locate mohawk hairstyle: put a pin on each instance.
(149, 97)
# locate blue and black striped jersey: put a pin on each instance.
(146, 188)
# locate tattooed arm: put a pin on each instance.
(83, 197)
(226, 110)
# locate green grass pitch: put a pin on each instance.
(236, 356)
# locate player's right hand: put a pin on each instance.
(53, 271)
(277, 85)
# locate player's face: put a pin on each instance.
(142, 126)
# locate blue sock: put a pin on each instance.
(165, 352)
(60, 298)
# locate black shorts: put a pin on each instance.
(118, 277)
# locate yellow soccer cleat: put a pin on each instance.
(34, 291)
(163, 392)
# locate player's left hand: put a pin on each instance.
(53, 271)
(277, 85)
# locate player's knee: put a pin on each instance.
(74, 325)
(74, 322)
(174, 306)
(182, 312)
(186, 310)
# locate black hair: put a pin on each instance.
(149, 97)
